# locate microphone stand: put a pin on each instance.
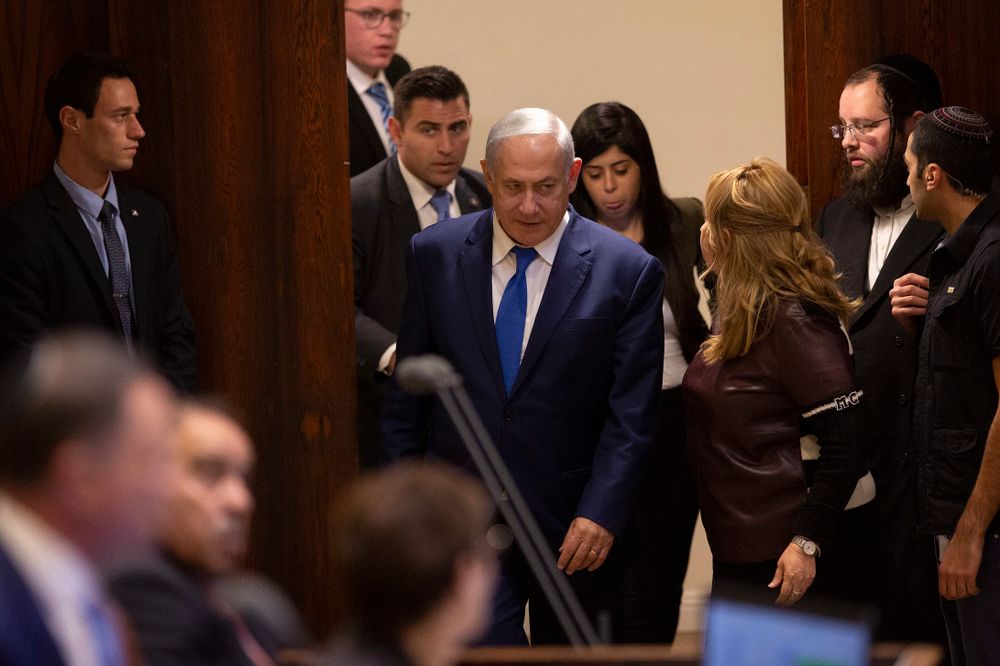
(431, 373)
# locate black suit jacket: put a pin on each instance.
(172, 617)
(366, 145)
(884, 352)
(24, 637)
(383, 221)
(51, 277)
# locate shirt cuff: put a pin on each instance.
(383, 361)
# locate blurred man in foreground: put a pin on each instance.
(85, 467)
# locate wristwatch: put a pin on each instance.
(809, 547)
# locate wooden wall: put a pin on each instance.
(827, 40)
(245, 113)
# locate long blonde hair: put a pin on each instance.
(765, 250)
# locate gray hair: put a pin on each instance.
(523, 122)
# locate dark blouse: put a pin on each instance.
(745, 418)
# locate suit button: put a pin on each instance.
(508, 415)
(902, 400)
(898, 341)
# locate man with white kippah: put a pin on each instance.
(956, 423)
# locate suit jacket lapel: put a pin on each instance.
(363, 122)
(137, 233)
(68, 219)
(852, 255)
(26, 638)
(569, 270)
(476, 265)
(911, 243)
(468, 201)
(402, 214)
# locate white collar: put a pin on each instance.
(54, 569)
(421, 192)
(362, 82)
(503, 244)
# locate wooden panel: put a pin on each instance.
(27, 60)
(246, 140)
(827, 40)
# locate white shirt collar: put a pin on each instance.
(421, 192)
(362, 82)
(55, 570)
(502, 243)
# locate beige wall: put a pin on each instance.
(706, 76)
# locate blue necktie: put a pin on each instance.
(106, 637)
(377, 91)
(120, 288)
(511, 315)
(441, 201)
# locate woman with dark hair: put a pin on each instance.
(621, 190)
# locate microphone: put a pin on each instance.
(429, 373)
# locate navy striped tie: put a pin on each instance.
(117, 274)
(377, 91)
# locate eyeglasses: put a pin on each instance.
(372, 17)
(856, 129)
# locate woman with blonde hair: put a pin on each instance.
(776, 368)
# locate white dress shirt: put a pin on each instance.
(361, 82)
(889, 224)
(674, 363)
(537, 274)
(61, 579)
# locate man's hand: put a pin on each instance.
(585, 546)
(795, 573)
(959, 566)
(908, 297)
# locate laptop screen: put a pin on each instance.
(746, 633)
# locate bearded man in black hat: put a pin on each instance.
(956, 424)
(875, 236)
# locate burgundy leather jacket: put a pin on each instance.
(745, 417)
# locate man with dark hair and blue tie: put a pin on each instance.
(555, 324)
(424, 182)
(80, 250)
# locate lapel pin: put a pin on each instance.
(951, 290)
(474, 201)
(135, 213)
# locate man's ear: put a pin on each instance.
(933, 176)
(395, 130)
(911, 121)
(70, 119)
(574, 173)
(487, 176)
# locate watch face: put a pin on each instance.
(807, 546)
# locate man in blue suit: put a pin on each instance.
(555, 324)
(85, 466)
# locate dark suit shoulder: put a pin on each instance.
(397, 67)
(474, 184)
(369, 186)
(170, 613)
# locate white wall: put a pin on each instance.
(706, 76)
